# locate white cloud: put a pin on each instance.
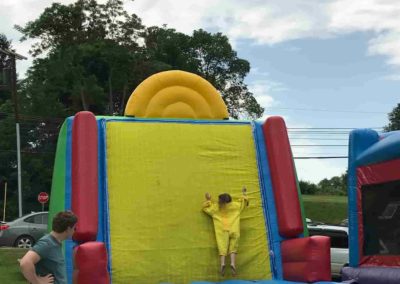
(377, 16)
(387, 44)
(185, 16)
(395, 77)
(365, 15)
(265, 90)
(19, 12)
(264, 22)
(283, 20)
(257, 72)
(261, 91)
(265, 101)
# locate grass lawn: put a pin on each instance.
(330, 209)
(9, 267)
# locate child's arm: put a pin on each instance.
(244, 200)
(209, 206)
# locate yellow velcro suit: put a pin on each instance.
(226, 223)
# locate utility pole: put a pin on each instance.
(13, 87)
(5, 201)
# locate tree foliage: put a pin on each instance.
(210, 56)
(8, 158)
(307, 187)
(4, 70)
(394, 119)
(103, 53)
(336, 185)
(90, 56)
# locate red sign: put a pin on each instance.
(43, 197)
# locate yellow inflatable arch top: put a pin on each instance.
(176, 94)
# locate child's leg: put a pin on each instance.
(222, 243)
(233, 263)
(222, 269)
(222, 259)
(233, 259)
(233, 247)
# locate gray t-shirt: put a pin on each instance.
(51, 259)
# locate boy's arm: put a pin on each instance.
(27, 265)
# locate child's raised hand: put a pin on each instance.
(208, 196)
(244, 190)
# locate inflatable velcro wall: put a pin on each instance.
(137, 183)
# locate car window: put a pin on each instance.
(37, 219)
(339, 239)
(29, 219)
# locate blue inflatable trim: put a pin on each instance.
(385, 149)
(69, 244)
(104, 191)
(269, 204)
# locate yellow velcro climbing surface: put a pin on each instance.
(157, 174)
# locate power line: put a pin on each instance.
(337, 128)
(29, 117)
(28, 152)
(319, 132)
(321, 157)
(313, 138)
(312, 154)
(326, 110)
(310, 145)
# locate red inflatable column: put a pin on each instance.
(90, 264)
(306, 259)
(84, 176)
(283, 177)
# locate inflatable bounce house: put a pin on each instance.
(374, 207)
(137, 184)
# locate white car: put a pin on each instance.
(339, 244)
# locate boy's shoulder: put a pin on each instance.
(47, 240)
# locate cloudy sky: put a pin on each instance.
(318, 63)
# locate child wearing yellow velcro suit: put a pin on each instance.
(226, 217)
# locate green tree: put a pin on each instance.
(210, 56)
(336, 185)
(221, 66)
(8, 165)
(82, 22)
(90, 56)
(93, 49)
(394, 119)
(307, 187)
(4, 70)
(98, 46)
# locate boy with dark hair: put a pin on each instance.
(44, 262)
